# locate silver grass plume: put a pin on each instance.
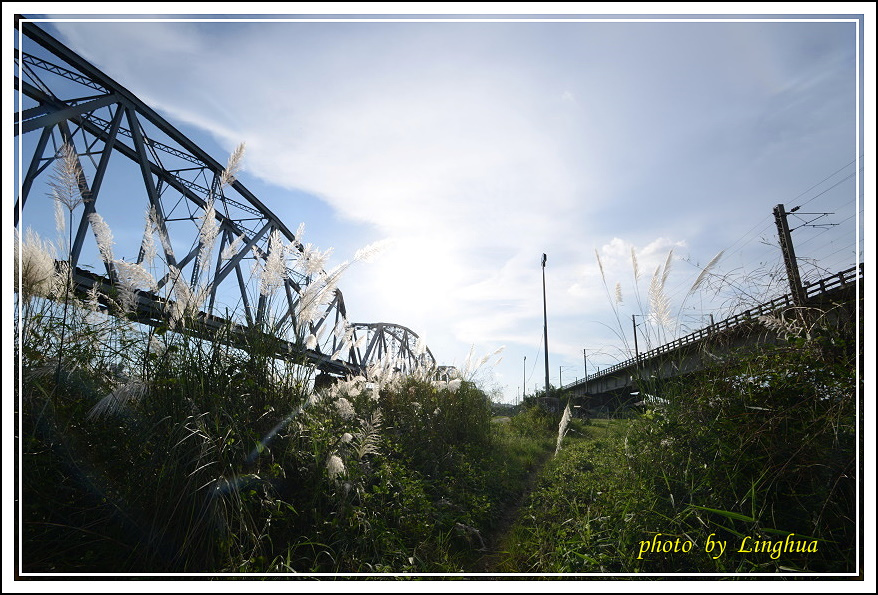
(706, 271)
(420, 347)
(366, 440)
(321, 332)
(65, 190)
(667, 268)
(562, 427)
(229, 174)
(92, 299)
(207, 232)
(300, 232)
(311, 261)
(132, 277)
(787, 324)
(471, 366)
(273, 273)
(344, 408)
(103, 235)
(342, 332)
(369, 252)
(311, 342)
(618, 292)
(64, 181)
(147, 246)
(35, 272)
(345, 340)
(308, 305)
(60, 222)
(187, 300)
(334, 466)
(600, 264)
(634, 264)
(360, 342)
(340, 328)
(116, 401)
(232, 249)
(658, 301)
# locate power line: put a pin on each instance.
(767, 222)
(539, 350)
(823, 180)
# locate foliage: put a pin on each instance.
(159, 450)
(755, 449)
(155, 451)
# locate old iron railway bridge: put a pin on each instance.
(66, 101)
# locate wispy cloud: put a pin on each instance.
(470, 149)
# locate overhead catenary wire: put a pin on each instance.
(828, 255)
(766, 224)
(828, 252)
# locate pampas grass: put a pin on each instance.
(64, 186)
(705, 272)
(658, 300)
(562, 427)
(208, 230)
(35, 272)
(147, 245)
(272, 273)
(229, 174)
(634, 265)
(103, 236)
(366, 441)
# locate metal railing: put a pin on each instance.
(812, 290)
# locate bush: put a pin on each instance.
(769, 437)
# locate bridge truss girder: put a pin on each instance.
(64, 101)
(397, 345)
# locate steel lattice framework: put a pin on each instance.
(66, 101)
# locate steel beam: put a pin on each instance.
(116, 122)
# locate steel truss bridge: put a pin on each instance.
(687, 354)
(64, 101)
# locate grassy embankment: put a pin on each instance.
(197, 464)
(756, 457)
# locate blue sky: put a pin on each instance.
(472, 148)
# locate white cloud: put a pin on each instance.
(472, 149)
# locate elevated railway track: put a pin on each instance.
(686, 354)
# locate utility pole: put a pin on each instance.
(545, 326)
(585, 369)
(523, 377)
(789, 254)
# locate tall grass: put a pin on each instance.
(201, 464)
(760, 446)
(759, 450)
(162, 450)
